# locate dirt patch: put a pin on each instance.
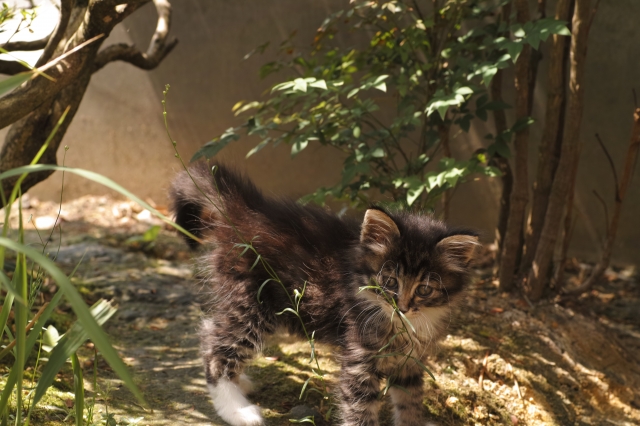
(504, 362)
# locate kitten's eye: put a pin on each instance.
(424, 290)
(391, 283)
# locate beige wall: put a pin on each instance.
(118, 130)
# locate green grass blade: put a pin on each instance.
(67, 347)
(8, 388)
(7, 85)
(78, 388)
(98, 179)
(21, 312)
(8, 286)
(4, 314)
(94, 331)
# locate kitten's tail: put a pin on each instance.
(202, 196)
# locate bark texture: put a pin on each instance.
(502, 163)
(537, 277)
(512, 245)
(549, 150)
(35, 107)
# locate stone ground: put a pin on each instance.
(504, 361)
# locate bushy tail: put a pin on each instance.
(196, 193)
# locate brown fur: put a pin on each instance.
(417, 261)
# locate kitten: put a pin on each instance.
(413, 261)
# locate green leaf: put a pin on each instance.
(381, 86)
(262, 287)
(10, 83)
(308, 419)
(406, 320)
(258, 147)
(424, 367)
(514, 48)
(78, 389)
(288, 310)
(256, 262)
(149, 236)
(239, 109)
(299, 85)
(298, 146)
(522, 124)
(320, 84)
(210, 149)
(68, 345)
(304, 387)
(488, 72)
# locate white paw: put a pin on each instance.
(232, 406)
(250, 416)
(246, 385)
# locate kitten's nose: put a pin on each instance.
(403, 308)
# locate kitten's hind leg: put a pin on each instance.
(226, 346)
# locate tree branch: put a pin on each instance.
(11, 67)
(613, 166)
(100, 18)
(157, 50)
(621, 190)
(66, 6)
(13, 46)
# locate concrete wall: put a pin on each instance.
(118, 130)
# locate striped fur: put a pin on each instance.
(419, 264)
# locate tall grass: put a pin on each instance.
(22, 329)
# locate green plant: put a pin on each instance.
(389, 102)
(22, 288)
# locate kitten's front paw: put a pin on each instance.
(250, 416)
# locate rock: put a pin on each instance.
(302, 411)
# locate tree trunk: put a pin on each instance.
(502, 163)
(519, 197)
(443, 131)
(568, 164)
(34, 109)
(26, 136)
(549, 150)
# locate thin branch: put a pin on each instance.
(627, 174)
(28, 46)
(604, 207)
(157, 50)
(613, 166)
(66, 6)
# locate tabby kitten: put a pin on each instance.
(413, 261)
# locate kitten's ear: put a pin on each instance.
(378, 230)
(458, 251)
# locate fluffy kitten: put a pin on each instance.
(417, 261)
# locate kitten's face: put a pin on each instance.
(421, 266)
